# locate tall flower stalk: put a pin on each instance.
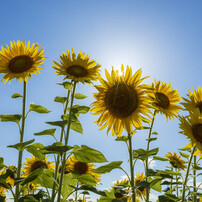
(22, 128)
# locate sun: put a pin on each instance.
(20, 60)
(121, 101)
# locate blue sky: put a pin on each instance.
(161, 37)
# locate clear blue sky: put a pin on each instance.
(161, 37)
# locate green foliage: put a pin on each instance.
(21, 146)
(155, 184)
(38, 108)
(47, 132)
(66, 85)
(168, 198)
(87, 154)
(60, 99)
(159, 158)
(16, 95)
(76, 126)
(79, 109)
(86, 179)
(57, 123)
(184, 155)
(1, 163)
(79, 96)
(143, 154)
(12, 118)
(122, 138)
(35, 150)
(108, 168)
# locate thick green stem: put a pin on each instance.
(66, 142)
(147, 163)
(58, 156)
(130, 149)
(171, 183)
(187, 174)
(194, 179)
(17, 190)
(177, 189)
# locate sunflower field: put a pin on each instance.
(125, 105)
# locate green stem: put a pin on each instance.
(130, 150)
(147, 163)
(177, 191)
(187, 174)
(17, 190)
(171, 182)
(194, 179)
(58, 156)
(66, 141)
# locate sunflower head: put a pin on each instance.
(194, 101)
(164, 99)
(20, 60)
(29, 188)
(34, 163)
(176, 160)
(78, 68)
(120, 101)
(72, 164)
(192, 127)
(140, 191)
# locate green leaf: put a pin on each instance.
(80, 109)
(87, 154)
(38, 108)
(16, 95)
(156, 185)
(66, 85)
(35, 150)
(13, 118)
(57, 148)
(86, 179)
(60, 99)
(79, 96)
(57, 123)
(21, 146)
(122, 138)
(159, 158)
(184, 155)
(76, 126)
(1, 163)
(154, 133)
(47, 132)
(142, 184)
(151, 139)
(143, 154)
(197, 168)
(108, 168)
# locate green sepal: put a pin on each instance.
(21, 146)
(79, 96)
(16, 95)
(38, 108)
(109, 167)
(12, 118)
(87, 154)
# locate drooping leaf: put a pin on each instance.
(16, 95)
(154, 133)
(108, 168)
(184, 155)
(143, 154)
(47, 132)
(66, 85)
(151, 139)
(80, 109)
(12, 117)
(122, 138)
(60, 99)
(76, 126)
(79, 96)
(35, 149)
(21, 146)
(38, 108)
(57, 123)
(160, 158)
(197, 168)
(87, 154)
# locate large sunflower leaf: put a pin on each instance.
(86, 179)
(108, 168)
(38, 108)
(35, 150)
(21, 146)
(76, 126)
(12, 118)
(87, 154)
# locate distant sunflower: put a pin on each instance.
(140, 191)
(164, 99)
(192, 128)
(195, 100)
(3, 190)
(176, 160)
(120, 101)
(20, 60)
(34, 163)
(30, 188)
(10, 173)
(82, 167)
(78, 68)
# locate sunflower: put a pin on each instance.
(20, 60)
(195, 100)
(164, 99)
(78, 68)
(10, 173)
(3, 190)
(120, 101)
(176, 160)
(34, 163)
(140, 191)
(192, 128)
(30, 188)
(82, 167)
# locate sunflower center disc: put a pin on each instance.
(77, 71)
(20, 64)
(163, 100)
(81, 167)
(119, 195)
(199, 105)
(38, 164)
(121, 100)
(139, 188)
(197, 132)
